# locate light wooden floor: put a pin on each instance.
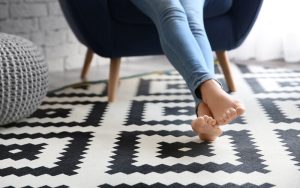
(136, 66)
(129, 67)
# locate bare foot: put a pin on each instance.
(205, 126)
(222, 106)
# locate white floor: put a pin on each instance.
(135, 66)
(129, 67)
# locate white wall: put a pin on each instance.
(42, 22)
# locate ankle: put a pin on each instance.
(209, 87)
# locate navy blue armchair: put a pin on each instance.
(116, 28)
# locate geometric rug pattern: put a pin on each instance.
(144, 139)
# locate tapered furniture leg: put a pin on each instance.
(113, 81)
(87, 62)
(224, 62)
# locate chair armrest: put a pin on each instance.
(243, 14)
(91, 23)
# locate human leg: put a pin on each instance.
(194, 12)
(223, 107)
(183, 51)
(177, 41)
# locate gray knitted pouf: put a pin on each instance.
(23, 78)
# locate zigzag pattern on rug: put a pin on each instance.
(144, 139)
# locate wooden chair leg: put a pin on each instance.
(87, 63)
(113, 81)
(224, 62)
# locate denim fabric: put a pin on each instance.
(125, 12)
(183, 38)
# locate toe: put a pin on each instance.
(221, 121)
(197, 123)
(206, 118)
(240, 108)
(225, 117)
(211, 121)
(219, 132)
(231, 113)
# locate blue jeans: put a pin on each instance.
(183, 38)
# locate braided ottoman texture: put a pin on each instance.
(23, 78)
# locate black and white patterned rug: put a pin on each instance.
(77, 139)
